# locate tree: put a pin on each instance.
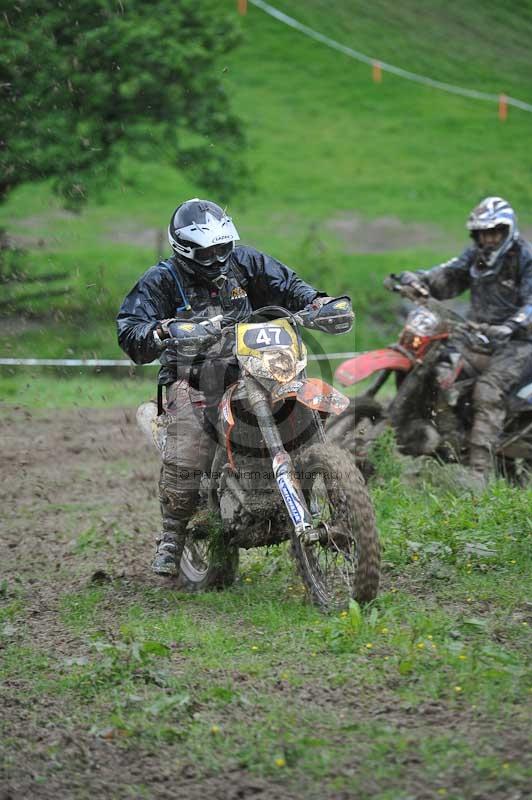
(83, 81)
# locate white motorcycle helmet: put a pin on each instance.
(201, 232)
(492, 213)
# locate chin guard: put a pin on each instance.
(335, 316)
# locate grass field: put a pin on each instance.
(115, 685)
(333, 156)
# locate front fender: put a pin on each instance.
(314, 393)
(356, 369)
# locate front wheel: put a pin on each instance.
(344, 563)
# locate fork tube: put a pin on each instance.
(378, 382)
(259, 402)
(283, 468)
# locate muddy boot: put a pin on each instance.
(480, 465)
(169, 547)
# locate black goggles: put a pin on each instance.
(206, 256)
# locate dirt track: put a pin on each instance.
(59, 471)
(77, 474)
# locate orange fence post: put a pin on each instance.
(242, 6)
(503, 107)
(377, 72)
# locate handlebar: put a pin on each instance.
(409, 290)
(469, 332)
(189, 345)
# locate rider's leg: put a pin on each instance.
(184, 458)
(489, 404)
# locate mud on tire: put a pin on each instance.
(346, 564)
(203, 566)
(210, 562)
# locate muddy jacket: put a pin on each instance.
(169, 290)
(504, 298)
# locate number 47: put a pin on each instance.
(265, 336)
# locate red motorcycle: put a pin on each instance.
(435, 364)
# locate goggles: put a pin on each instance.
(206, 256)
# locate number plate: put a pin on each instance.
(257, 337)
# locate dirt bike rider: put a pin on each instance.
(209, 277)
(497, 269)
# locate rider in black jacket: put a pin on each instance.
(207, 276)
(497, 269)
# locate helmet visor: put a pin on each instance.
(206, 256)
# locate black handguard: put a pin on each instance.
(334, 316)
(189, 338)
(191, 329)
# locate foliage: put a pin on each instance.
(385, 458)
(335, 158)
(80, 80)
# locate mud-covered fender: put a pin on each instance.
(311, 392)
(315, 394)
(226, 420)
(356, 369)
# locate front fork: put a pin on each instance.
(283, 467)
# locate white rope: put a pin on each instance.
(68, 362)
(116, 362)
(403, 73)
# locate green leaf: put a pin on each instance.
(406, 666)
(477, 623)
(153, 648)
(373, 617)
(110, 85)
(354, 615)
(166, 702)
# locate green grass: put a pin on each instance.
(68, 388)
(253, 678)
(323, 141)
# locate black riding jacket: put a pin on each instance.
(170, 290)
(503, 298)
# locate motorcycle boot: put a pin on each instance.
(170, 546)
(480, 465)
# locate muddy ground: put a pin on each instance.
(56, 467)
(61, 473)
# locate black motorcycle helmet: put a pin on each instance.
(202, 233)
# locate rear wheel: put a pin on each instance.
(209, 561)
(344, 563)
(204, 566)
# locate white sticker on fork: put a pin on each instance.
(291, 500)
